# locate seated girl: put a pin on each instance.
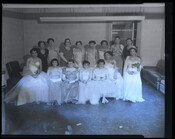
(98, 85)
(33, 87)
(85, 75)
(70, 87)
(115, 80)
(55, 74)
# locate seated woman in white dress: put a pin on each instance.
(85, 76)
(115, 80)
(70, 87)
(132, 80)
(99, 83)
(33, 87)
(55, 74)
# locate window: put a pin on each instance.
(124, 29)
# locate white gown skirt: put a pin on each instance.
(132, 87)
(83, 93)
(29, 89)
(55, 91)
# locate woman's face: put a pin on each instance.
(67, 43)
(86, 65)
(117, 40)
(107, 56)
(91, 44)
(132, 52)
(101, 65)
(55, 63)
(79, 45)
(51, 43)
(42, 45)
(104, 45)
(34, 54)
(129, 42)
(70, 64)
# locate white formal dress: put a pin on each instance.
(115, 81)
(85, 76)
(31, 88)
(132, 82)
(55, 75)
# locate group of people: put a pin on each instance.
(78, 74)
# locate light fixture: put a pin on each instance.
(80, 5)
(91, 18)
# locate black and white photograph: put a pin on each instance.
(83, 69)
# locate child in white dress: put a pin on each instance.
(98, 85)
(70, 87)
(85, 76)
(55, 74)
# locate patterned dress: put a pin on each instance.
(117, 55)
(70, 87)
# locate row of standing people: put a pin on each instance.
(91, 52)
(72, 85)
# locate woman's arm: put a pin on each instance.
(62, 57)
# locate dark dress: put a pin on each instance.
(68, 54)
(125, 53)
(43, 58)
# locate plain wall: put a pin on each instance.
(19, 36)
(34, 32)
(152, 41)
(12, 41)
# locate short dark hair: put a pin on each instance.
(134, 49)
(71, 60)
(86, 62)
(34, 49)
(109, 52)
(78, 42)
(92, 41)
(117, 37)
(100, 60)
(54, 59)
(66, 40)
(104, 41)
(129, 39)
(50, 39)
(39, 43)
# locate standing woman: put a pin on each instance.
(126, 51)
(91, 54)
(132, 80)
(117, 49)
(66, 53)
(79, 54)
(53, 50)
(102, 49)
(43, 55)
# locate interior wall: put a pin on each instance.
(152, 43)
(12, 41)
(34, 32)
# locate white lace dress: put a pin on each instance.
(132, 81)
